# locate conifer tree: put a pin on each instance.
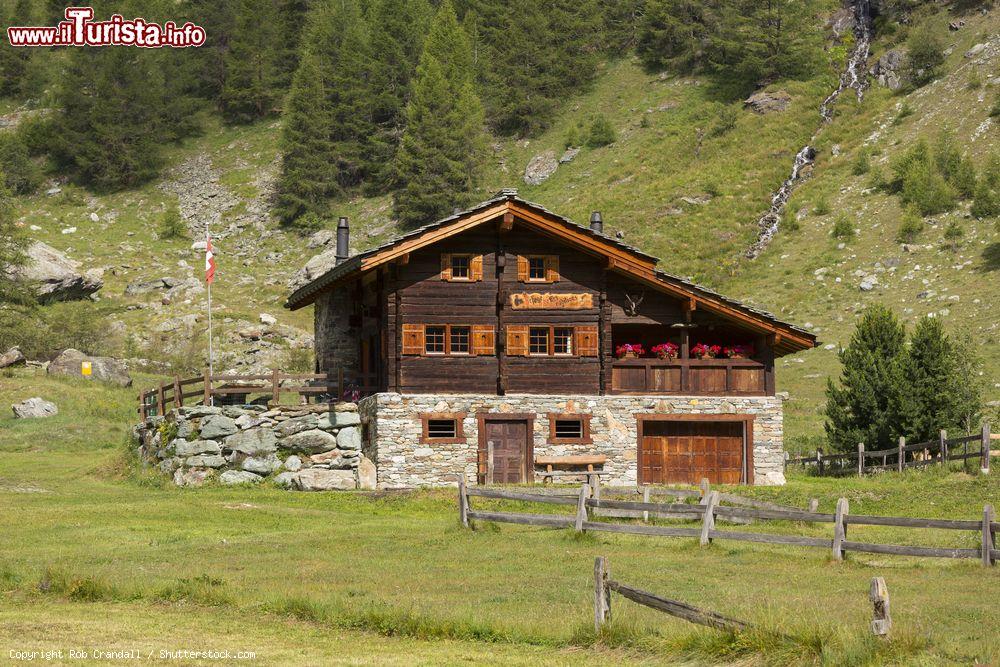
(398, 29)
(672, 34)
(253, 73)
(437, 163)
(14, 62)
(865, 405)
(987, 199)
(12, 253)
(935, 391)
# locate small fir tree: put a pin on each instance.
(911, 227)
(864, 405)
(925, 54)
(172, 224)
(13, 246)
(986, 203)
(601, 132)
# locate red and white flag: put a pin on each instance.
(209, 261)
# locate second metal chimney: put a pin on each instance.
(596, 223)
(343, 240)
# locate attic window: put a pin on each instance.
(442, 428)
(460, 267)
(536, 268)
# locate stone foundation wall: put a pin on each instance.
(394, 429)
(307, 447)
(336, 342)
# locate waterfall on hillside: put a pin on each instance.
(854, 76)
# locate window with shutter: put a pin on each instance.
(587, 341)
(517, 340)
(476, 268)
(445, 266)
(552, 268)
(413, 339)
(483, 341)
(522, 268)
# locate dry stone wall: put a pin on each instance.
(394, 431)
(306, 447)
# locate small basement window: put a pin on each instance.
(460, 267)
(442, 428)
(569, 429)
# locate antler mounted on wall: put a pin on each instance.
(632, 309)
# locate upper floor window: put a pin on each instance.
(562, 340)
(434, 340)
(538, 268)
(458, 340)
(538, 340)
(461, 267)
(524, 340)
(448, 339)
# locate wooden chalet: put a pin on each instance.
(508, 299)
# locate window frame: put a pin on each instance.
(468, 268)
(545, 265)
(444, 340)
(570, 341)
(468, 340)
(584, 419)
(448, 352)
(457, 417)
(548, 341)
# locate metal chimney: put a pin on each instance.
(343, 240)
(596, 223)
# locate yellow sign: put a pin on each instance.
(86, 368)
(551, 301)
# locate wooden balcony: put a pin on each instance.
(690, 377)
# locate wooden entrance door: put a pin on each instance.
(509, 439)
(684, 452)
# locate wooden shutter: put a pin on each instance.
(445, 266)
(586, 341)
(552, 268)
(483, 340)
(522, 268)
(476, 267)
(517, 340)
(413, 339)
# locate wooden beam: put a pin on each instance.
(507, 223)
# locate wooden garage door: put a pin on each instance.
(684, 452)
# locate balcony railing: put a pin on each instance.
(691, 377)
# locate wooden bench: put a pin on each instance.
(587, 461)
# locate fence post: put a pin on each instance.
(581, 507)
(160, 404)
(595, 486)
(708, 519)
(602, 594)
(705, 488)
(840, 529)
(819, 461)
(645, 499)
(207, 400)
(879, 596)
(943, 436)
(463, 503)
(902, 454)
(861, 459)
(988, 544)
(489, 462)
(178, 401)
(275, 386)
(985, 466)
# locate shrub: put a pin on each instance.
(925, 55)
(43, 332)
(918, 180)
(171, 224)
(995, 111)
(842, 228)
(911, 227)
(862, 163)
(725, 121)
(986, 203)
(905, 110)
(822, 206)
(956, 169)
(953, 235)
(21, 175)
(572, 137)
(601, 133)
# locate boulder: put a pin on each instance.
(336, 420)
(262, 465)
(106, 369)
(56, 277)
(268, 320)
(285, 480)
(12, 357)
(349, 438)
(310, 441)
(253, 442)
(246, 421)
(768, 102)
(168, 466)
(569, 155)
(367, 474)
(318, 479)
(296, 425)
(184, 447)
(205, 461)
(540, 168)
(976, 50)
(193, 477)
(321, 238)
(146, 286)
(184, 429)
(334, 458)
(233, 477)
(34, 408)
(200, 411)
(217, 426)
(315, 267)
(887, 69)
(293, 463)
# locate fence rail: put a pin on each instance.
(895, 458)
(172, 393)
(710, 508)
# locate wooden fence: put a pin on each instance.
(206, 388)
(711, 508)
(903, 456)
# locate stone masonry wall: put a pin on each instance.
(394, 429)
(336, 341)
(304, 447)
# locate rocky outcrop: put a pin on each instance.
(56, 277)
(768, 102)
(106, 369)
(541, 167)
(12, 357)
(34, 408)
(310, 448)
(888, 69)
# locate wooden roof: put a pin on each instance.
(619, 257)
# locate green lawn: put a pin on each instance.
(83, 532)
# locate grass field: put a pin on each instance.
(97, 554)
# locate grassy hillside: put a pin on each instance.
(640, 183)
(95, 552)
